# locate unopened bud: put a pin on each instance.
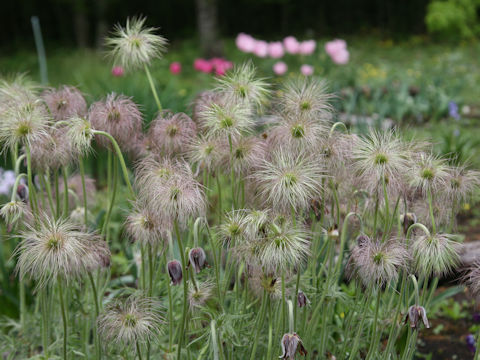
(291, 344)
(302, 299)
(175, 271)
(197, 259)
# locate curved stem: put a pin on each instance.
(15, 186)
(120, 158)
(343, 238)
(336, 125)
(152, 86)
(18, 163)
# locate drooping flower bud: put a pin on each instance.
(408, 220)
(197, 259)
(416, 314)
(22, 192)
(362, 240)
(175, 271)
(291, 344)
(302, 299)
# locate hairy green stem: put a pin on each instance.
(64, 316)
(84, 190)
(152, 86)
(185, 288)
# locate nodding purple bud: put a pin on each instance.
(302, 299)
(470, 339)
(291, 344)
(175, 271)
(415, 315)
(22, 192)
(197, 259)
(362, 240)
(408, 220)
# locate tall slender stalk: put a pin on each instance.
(31, 187)
(185, 288)
(152, 86)
(84, 190)
(64, 316)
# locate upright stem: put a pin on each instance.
(45, 320)
(152, 86)
(65, 191)
(170, 306)
(82, 175)
(430, 206)
(373, 343)
(57, 193)
(64, 317)
(112, 199)
(139, 353)
(477, 351)
(185, 288)
(31, 187)
(214, 339)
(219, 189)
(98, 348)
(232, 171)
(261, 318)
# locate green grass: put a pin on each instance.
(377, 79)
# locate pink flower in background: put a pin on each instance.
(275, 50)
(217, 65)
(306, 70)
(291, 44)
(117, 71)
(175, 68)
(341, 57)
(280, 68)
(261, 48)
(202, 65)
(337, 50)
(245, 43)
(307, 47)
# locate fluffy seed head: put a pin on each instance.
(305, 98)
(131, 320)
(381, 155)
(119, 116)
(247, 153)
(436, 254)
(289, 181)
(198, 296)
(23, 122)
(284, 247)
(264, 283)
(205, 152)
(233, 228)
(376, 262)
(227, 120)
(135, 45)
(13, 211)
(80, 135)
(57, 249)
(170, 133)
(297, 134)
(429, 173)
(461, 183)
(144, 226)
(171, 189)
(242, 85)
(65, 102)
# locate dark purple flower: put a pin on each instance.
(453, 110)
(197, 259)
(175, 271)
(476, 317)
(471, 343)
(302, 299)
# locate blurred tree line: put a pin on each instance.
(84, 23)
